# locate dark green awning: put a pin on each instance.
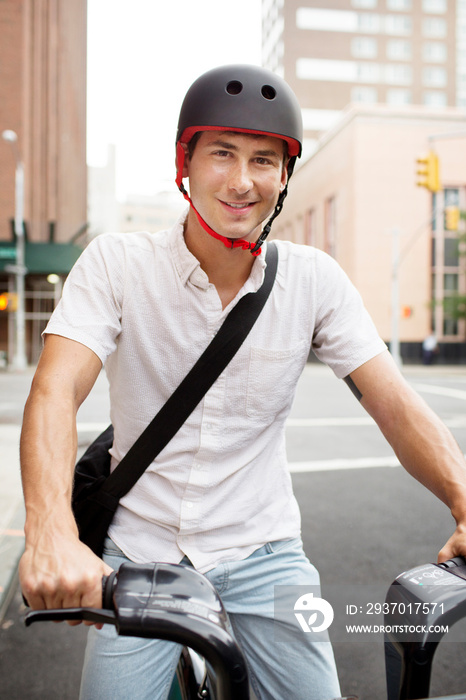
(42, 258)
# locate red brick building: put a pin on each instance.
(43, 100)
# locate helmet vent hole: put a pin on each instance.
(234, 87)
(268, 92)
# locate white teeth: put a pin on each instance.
(237, 206)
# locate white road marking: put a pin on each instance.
(440, 391)
(92, 427)
(355, 422)
(329, 422)
(326, 465)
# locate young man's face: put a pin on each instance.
(235, 180)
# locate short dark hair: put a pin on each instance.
(192, 145)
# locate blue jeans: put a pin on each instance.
(118, 668)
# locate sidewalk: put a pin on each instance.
(13, 392)
(11, 512)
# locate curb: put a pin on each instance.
(11, 549)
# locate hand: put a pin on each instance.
(61, 572)
(455, 546)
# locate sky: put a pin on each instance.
(142, 57)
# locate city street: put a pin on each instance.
(364, 521)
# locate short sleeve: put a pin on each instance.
(345, 336)
(89, 311)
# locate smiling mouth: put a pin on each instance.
(238, 205)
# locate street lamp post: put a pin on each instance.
(19, 269)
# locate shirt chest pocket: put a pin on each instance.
(273, 375)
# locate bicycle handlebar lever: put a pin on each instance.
(85, 614)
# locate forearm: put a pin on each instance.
(426, 449)
(422, 443)
(48, 450)
(56, 569)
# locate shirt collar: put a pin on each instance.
(189, 268)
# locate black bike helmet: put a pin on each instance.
(247, 99)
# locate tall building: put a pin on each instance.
(381, 82)
(338, 52)
(43, 100)
(356, 199)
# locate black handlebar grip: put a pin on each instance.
(451, 563)
(108, 586)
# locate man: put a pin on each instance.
(219, 496)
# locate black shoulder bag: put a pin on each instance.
(96, 491)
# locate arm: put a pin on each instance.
(56, 570)
(422, 443)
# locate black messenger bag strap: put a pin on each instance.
(192, 389)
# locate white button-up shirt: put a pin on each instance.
(221, 488)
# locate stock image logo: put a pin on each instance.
(365, 612)
(319, 613)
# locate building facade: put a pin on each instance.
(43, 100)
(341, 52)
(380, 82)
(356, 198)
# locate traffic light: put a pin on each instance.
(8, 301)
(406, 312)
(452, 218)
(429, 172)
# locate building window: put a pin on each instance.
(399, 50)
(399, 5)
(368, 73)
(451, 282)
(398, 75)
(323, 69)
(452, 197)
(434, 99)
(434, 6)
(367, 95)
(398, 24)
(434, 52)
(451, 252)
(434, 28)
(364, 4)
(326, 20)
(434, 77)
(447, 268)
(364, 47)
(398, 96)
(369, 23)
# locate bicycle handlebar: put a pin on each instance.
(439, 590)
(176, 603)
(172, 602)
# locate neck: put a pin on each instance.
(227, 269)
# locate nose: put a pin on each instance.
(240, 179)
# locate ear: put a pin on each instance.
(186, 160)
(284, 177)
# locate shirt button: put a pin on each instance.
(189, 504)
